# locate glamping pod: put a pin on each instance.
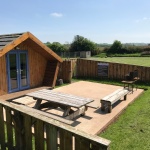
(25, 62)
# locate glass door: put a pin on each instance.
(23, 70)
(17, 66)
(13, 78)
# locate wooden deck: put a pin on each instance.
(94, 121)
(21, 93)
(62, 136)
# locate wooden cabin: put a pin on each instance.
(25, 62)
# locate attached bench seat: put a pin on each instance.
(110, 99)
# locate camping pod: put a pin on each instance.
(26, 62)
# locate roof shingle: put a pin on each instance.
(8, 38)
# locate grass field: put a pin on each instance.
(132, 129)
(140, 61)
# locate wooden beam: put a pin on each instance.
(56, 74)
(31, 36)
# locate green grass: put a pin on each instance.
(141, 84)
(119, 55)
(127, 55)
(132, 130)
(141, 61)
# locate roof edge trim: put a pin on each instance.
(32, 37)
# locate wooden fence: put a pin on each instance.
(23, 128)
(89, 69)
(67, 70)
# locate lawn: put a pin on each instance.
(132, 129)
(141, 61)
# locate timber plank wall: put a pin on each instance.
(67, 70)
(84, 68)
(3, 77)
(37, 66)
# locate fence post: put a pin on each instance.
(2, 129)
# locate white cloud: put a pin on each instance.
(55, 14)
(143, 19)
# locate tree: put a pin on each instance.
(57, 47)
(82, 44)
(115, 48)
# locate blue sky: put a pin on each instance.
(101, 21)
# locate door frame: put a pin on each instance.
(17, 52)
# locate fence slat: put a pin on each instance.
(18, 126)
(28, 132)
(98, 147)
(147, 73)
(65, 140)
(144, 73)
(51, 133)
(9, 128)
(39, 135)
(81, 143)
(2, 129)
(38, 121)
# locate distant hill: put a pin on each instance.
(136, 44)
(126, 44)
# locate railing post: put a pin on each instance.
(51, 133)
(19, 131)
(2, 129)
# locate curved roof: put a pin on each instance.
(11, 41)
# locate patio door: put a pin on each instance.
(17, 68)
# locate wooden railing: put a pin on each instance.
(25, 129)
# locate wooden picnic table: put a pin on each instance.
(62, 100)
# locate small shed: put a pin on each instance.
(85, 54)
(25, 62)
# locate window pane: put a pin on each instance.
(23, 69)
(13, 71)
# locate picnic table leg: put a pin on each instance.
(76, 113)
(48, 105)
(66, 111)
(84, 111)
(37, 104)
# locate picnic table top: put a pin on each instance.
(60, 98)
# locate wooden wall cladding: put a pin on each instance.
(37, 66)
(3, 76)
